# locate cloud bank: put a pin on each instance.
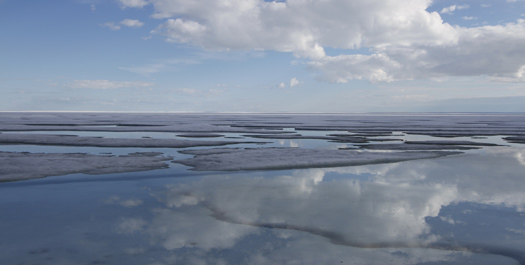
(403, 39)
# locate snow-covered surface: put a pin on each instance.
(45, 139)
(200, 135)
(311, 134)
(291, 158)
(334, 138)
(441, 142)
(22, 166)
(448, 124)
(516, 139)
(412, 147)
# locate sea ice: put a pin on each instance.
(200, 135)
(426, 145)
(341, 138)
(446, 125)
(443, 142)
(515, 139)
(46, 139)
(224, 159)
(412, 147)
(23, 166)
(440, 125)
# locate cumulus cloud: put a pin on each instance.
(132, 23)
(301, 27)
(111, 26)
(450, 9)
(406, 40)
(294, 82)
(133, 3)
(106, 84)
(179, 30)
(342, 68)
(489, 50)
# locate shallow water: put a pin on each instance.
(460, 209)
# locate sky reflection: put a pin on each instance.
(437, 210)
(463, 209)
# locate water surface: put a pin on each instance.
(461, 209)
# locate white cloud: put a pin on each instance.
(469, 18)
(111, 25)
(132, 23)
(131, 203)
(145, 69)
(450, 9)
(301, 27)
(342, 68)
(106, 84)
(93, 8)
(298, 201)
(406, 41)
(133, 3)
(179, 30)
(491, 50)
(126, 203)
(294, 82)
(130, 225)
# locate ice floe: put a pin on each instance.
(310, 131)
(426, 145)
(333, 138)
(441, 142)
(290, 158)
(46, 139)
(412, 147)
(23, 166)
(200, 135)
(441, 125)
(515, 139)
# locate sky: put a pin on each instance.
(263, 56)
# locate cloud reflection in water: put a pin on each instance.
(404, 213)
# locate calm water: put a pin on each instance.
(461, 209)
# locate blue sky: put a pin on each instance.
(262, 56)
